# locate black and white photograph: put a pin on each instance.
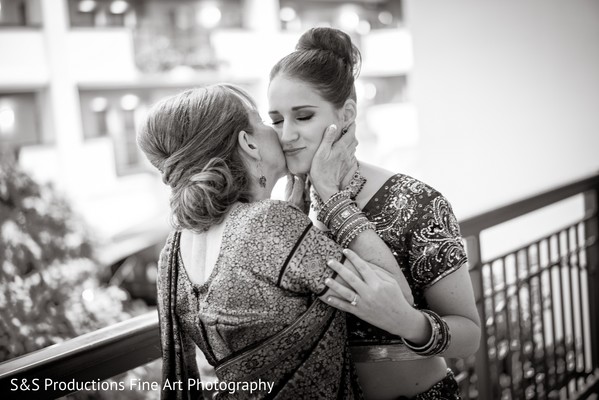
(299, 199)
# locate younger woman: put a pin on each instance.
(398, 348)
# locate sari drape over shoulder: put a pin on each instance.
(257, 317)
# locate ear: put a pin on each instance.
(350, 111)
(248, 146)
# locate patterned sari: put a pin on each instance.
(257, 317)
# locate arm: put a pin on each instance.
(333, 160)
(437, 260)
(451, 297)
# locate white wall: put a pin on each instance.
(20, 68)
(507, 94)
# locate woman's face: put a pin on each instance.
(273, 161)
(299, 116)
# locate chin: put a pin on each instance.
(297, 169)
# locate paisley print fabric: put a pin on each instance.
(418, 225)
(257, 316)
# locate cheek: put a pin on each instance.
(301, 163)
(311, 134)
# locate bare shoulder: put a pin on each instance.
(375, 178)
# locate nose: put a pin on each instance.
(288, 133)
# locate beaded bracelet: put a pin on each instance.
(343, 217)
(440, 338)
(332, 206)
(344, 241)
(346, 214)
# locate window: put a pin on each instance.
(20, 13)
(19, 120)
(114, 114)
(351, 16)
(103, 13)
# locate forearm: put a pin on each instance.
(373, 249)
(465, 333)
(465, 337)
(452, 300)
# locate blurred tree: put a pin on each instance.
(50, 287)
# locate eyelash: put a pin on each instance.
(306, 118)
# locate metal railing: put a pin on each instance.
(96, 355)
(539, 307)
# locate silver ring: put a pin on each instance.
(354, 302)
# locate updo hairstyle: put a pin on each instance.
(327, 59)
(191, 138)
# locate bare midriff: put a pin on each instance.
(385, 380)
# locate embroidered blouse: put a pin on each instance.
(257, 315)
(418, 225)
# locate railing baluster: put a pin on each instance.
(581, 318)
(541, 311)
(591, 200)
(482, 360)
(508, 320)
(521, 336)
(495, 371)
(552, 313)
(531, 359)
(560, 267)
(573, 358)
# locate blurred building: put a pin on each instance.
(76, 76)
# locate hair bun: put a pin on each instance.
(206, 195)
(332, 40)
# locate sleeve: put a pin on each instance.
(305, 269)
(436, 248)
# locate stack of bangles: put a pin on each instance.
(440, 338)
(343, 217)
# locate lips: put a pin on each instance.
(293, 151)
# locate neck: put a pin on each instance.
(261, 193)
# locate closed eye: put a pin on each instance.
(306, 118)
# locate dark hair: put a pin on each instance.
(327, 59)
(191, 138)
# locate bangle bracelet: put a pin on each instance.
(440, 337)
(431, 340)
(354, 233)
(333, 204)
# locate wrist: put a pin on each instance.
(326, 193)
(419, 328)
(324, 190)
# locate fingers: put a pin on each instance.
(347, 143)
(339, 304)
(330, 135)
(294, 190)
(340, 290)
(349, 136)
(352, 279)
(361, 266)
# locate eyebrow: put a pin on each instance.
(294, 108)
